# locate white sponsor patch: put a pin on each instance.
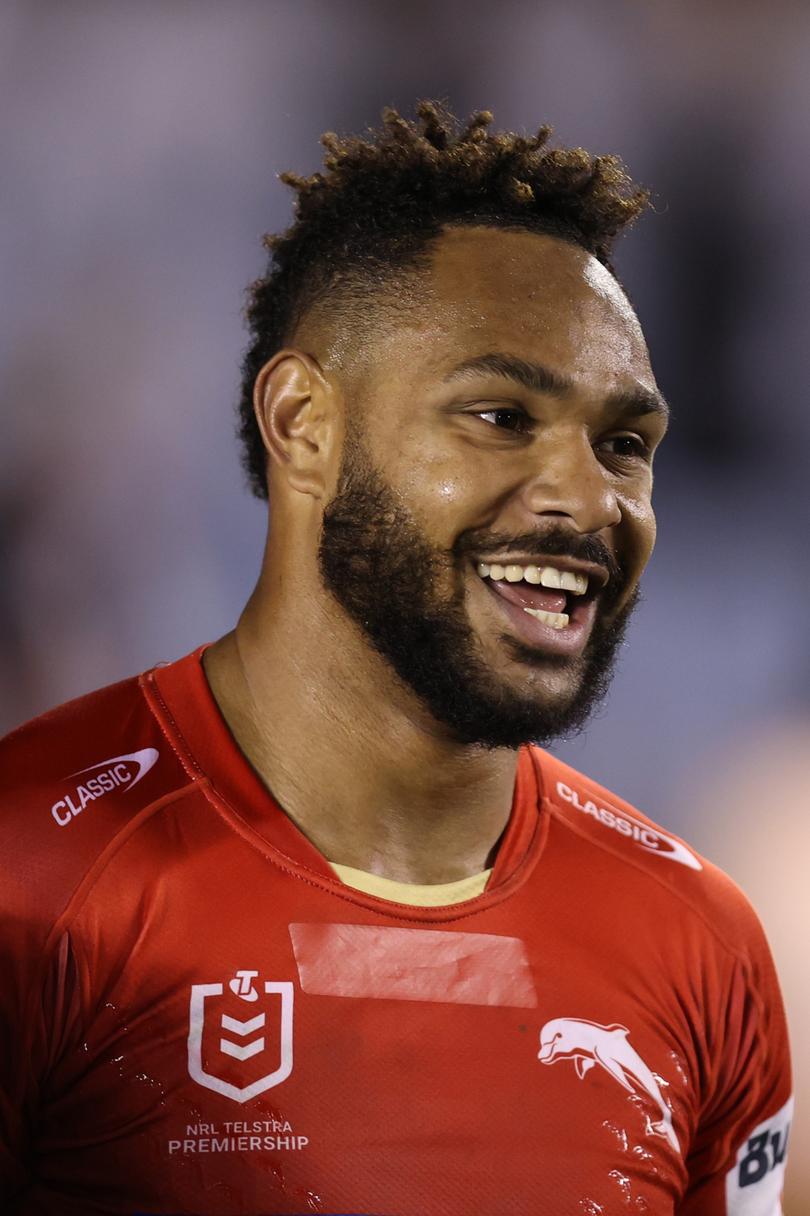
(651, 839)
(754, 1184)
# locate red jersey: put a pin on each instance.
(198, 1016)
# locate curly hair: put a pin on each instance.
(383, 200)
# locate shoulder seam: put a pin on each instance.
(85, 882)
(628, 859)
(154, 699)
(84, 887)
(88, 879)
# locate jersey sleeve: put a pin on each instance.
(84, 758)
(12, 1086)
(739, 1153)
(39, 1015)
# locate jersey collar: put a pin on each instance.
(181, 697)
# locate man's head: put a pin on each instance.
(458, 409)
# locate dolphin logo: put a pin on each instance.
(589, 1043)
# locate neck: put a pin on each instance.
(351, 756)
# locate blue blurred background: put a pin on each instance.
(140, 148)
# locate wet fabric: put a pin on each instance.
(198, 1016)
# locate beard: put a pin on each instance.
(376, 561)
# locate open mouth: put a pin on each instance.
(551, 594)
(551, 607)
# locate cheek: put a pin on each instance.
(449, 491)
(639, 520)
(434, 487)
(443, 502)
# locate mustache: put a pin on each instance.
(556, 542)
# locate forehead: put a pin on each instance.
(533, 295)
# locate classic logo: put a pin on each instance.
(589, 1043)
(220, 1045)
(653, 840)
(105, 776)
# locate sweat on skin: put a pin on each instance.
(477, 460)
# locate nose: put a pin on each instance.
(570, 481)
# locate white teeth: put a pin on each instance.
(545, 576)
(557, 620)
(575, 583)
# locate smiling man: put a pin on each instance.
(357, 944)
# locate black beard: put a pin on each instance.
(374, 559)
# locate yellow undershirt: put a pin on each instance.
(421, 895)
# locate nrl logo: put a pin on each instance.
(220, 1045)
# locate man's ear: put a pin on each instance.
(297, 415)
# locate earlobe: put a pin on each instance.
(295, 414)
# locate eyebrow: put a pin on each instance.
(540, 379)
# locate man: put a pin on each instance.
(303, 922)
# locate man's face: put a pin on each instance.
(507, 423)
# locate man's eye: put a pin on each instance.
(628, 445)
(506, 419)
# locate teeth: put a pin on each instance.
(545, 576)
(557, 620)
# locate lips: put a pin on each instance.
(569, 642)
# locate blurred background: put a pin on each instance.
(140, 145)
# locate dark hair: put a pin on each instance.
(382, 200)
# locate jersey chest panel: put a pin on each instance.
(299, 1053)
